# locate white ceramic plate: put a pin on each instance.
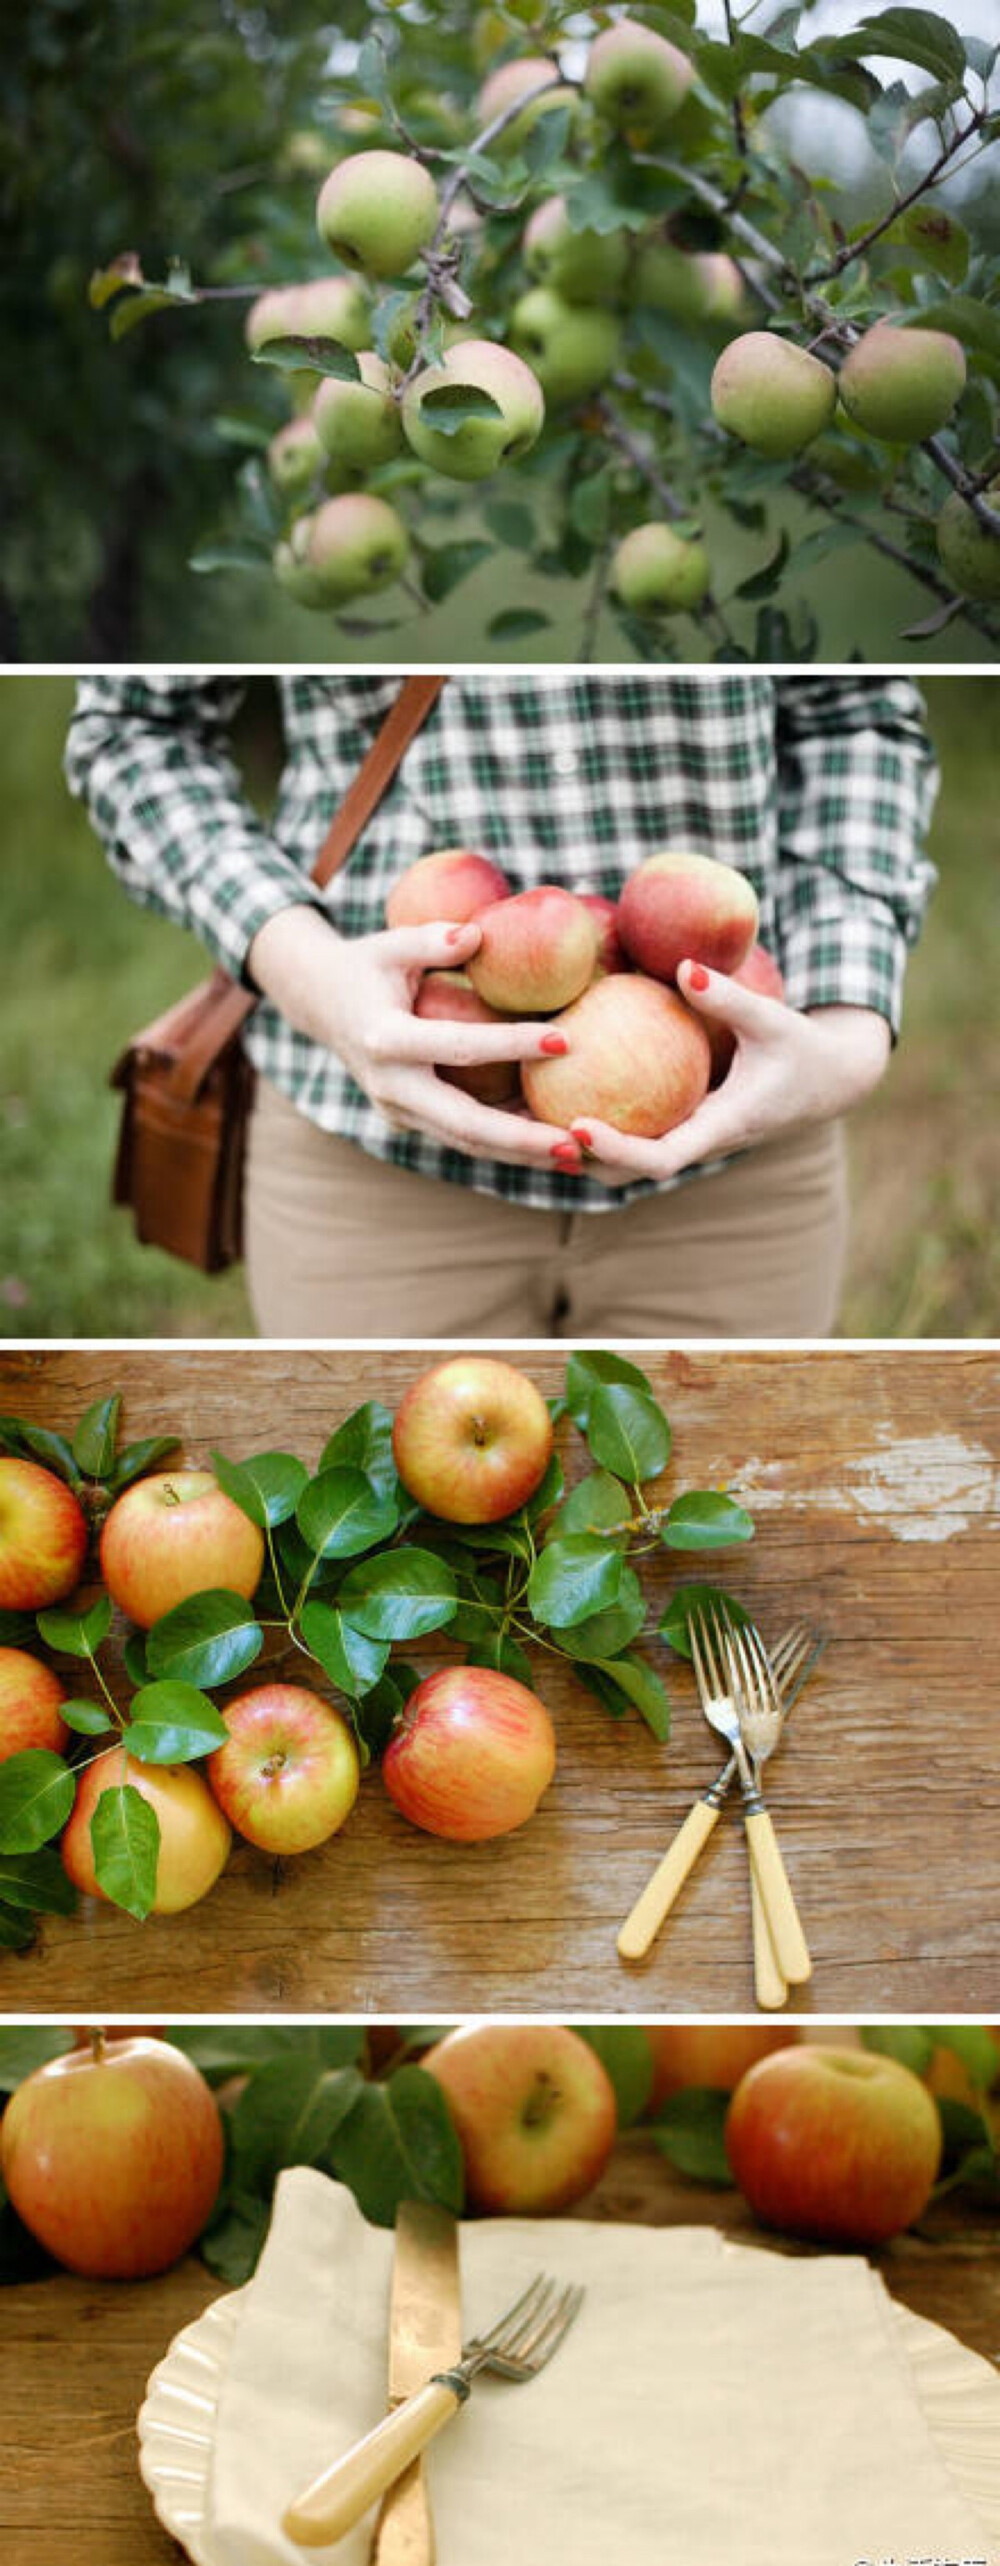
(958, 2391)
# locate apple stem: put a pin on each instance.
(98, 2044)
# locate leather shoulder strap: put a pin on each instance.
(414, 702)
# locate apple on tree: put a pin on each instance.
(471, 1756)
(472, 1439)
(636, 78)
(968, 551)
(486, 438)
(43, 1537)
(771, 394)
(352, 546)
(571, 347)
(654, 571)
(324, 307)
(194, 1835)
(534, 2109)
(902, 384)
(693, 286)
(295, 456)
(112, 2155)
(513, 80)
(581, 266)
(378, 210)
(289, 1774)
(174, 1535)
(359, 424)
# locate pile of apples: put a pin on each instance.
(630, 1051)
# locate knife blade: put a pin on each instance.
(425, 2335)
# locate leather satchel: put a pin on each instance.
(186, 1082)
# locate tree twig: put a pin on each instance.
(857, 249)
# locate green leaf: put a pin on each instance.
(232, 2243)
(401, 1596)
(287, 2114)
(585, 1374)
(764, 582)
(505, 1655)
(136, 1458)
(28, 2047)
(911, 2044)
(96, 1439)
(267, 1488)
(598, 1504)
(604, 1634)
(590, 504)
(36, 1880)
(352, 1662)
(976, 324)
(399, 2144)
(52, 1450)
(643, 1687)
(573, 1579)
(76, 1634)
(515, 622)
(706, 1521)
(136, 1661)
(689, 2130)
(228, 556)
(627, 1431)
(88, 1719)
(17, 1930)
(625, 2051)
(364, 1442)
(511, 522)
(208, 1640)
(225, 2049)
(696, 1599)
(340, 1514)
(320, 356)
(37, 1791)
(450, 405)
(941, 242)
(125, 1835)
(916, 35)
(443, 566)
(968, 2041)
(173, 1723)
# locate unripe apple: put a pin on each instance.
(350, 547)
(516, 80)
(584, 267)
(480, 444)
(681, 907)
(536, 951)
(902, 384)
(454, 883)
(448, 997)
(194, 1836)
(654, 571)
(378, 210)
(294, 456)
(968, 551)
(636, 79)
(638, 1059)
(358, 424)
(572, 347)
(325, 307)
(773, 396)
(689, 285)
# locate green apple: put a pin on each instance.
(584, 267)
(571, 348)
(358, 424)
(772, 395)
(325, 307)
(516, 80)
(636, 79)
(969, 553)
(902, 385)
(294, 456)
(350, 547)
(655, 571)
(480, 444)
(692, 286)
(378, 210)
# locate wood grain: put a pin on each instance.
(75, 2357)
(875, 1480)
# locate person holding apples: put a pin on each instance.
(382, 1193)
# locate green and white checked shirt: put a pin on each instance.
(819, 788)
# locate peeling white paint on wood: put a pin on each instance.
(923, 1488)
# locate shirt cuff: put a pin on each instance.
(838, 956)
(241, 880)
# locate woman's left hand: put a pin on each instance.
(789, 1069)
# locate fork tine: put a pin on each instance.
(567, 2307)
(523, 2313)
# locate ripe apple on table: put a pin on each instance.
(838, 2144)
(31, 1697)
(472, 1439)
(716, 2054)
(471, 1756)
(112, 2155)
(175, 1535)
(289, 1773)
(194, 1836)
(534, 2109)
(43, 1537)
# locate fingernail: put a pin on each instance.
(554, 1044)
(455, 934)
(566, 1154)
(583, 1136)
(698, 977)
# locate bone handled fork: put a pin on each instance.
(516, 2347)
(793, 1660)
(744, 1693)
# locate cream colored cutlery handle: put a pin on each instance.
(770, 1987)
(642, 1926)
(336, 2500)
(404, 2531)
(790, 1947)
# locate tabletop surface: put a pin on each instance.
(75, 2357)
(874, 1478)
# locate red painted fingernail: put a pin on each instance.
(455, 934)
(566, 1155)
(583, 1136)
(698, 977)
(554, 1044)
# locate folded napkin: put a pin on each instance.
(713, 2401)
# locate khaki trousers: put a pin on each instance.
(341, 1245)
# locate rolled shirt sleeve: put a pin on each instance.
(149, 758)
(858, 782)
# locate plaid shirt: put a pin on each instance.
(819, 788)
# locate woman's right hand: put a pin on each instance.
(355, 995)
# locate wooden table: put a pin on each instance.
(75, 2357)
(874, 1477)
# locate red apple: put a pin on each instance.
(611, 954)
(112, 2156)
(290, 1772)
(638, 1058)
(448, 997)
(43, 1537)
(687, 907)
(707, 2054)
(761, 972)
(472, 1439)
(534, 2109)
(453, 883)
(30, 1698)
(172, 1536)
(536, 952)
(194, 1837)
(471, 1756)
(837, 2144)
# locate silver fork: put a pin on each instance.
(516, 2347)
(797, 1652)
(750, 1698)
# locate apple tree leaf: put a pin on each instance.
(76, 1634)
(125, 1835)
(642, 1686)
(208, 1640)
(586, 1373)
(96, 1439)
(319, 355)
(173, 1723)
(606, 1634)
(689, 2130)
(135, 1459)
(267, 1488)
(573, 1579)
(352, 1662)
(399, 2144)
(36, 1880)
(400, 1595)
(340, 1513)
(673, 1626)
(706, 1521)
(597, 1504)
(364, 1442)
(37, 1791)
(624, 2051)
(87, 1719)
(627, 1432)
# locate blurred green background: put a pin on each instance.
(84, 969)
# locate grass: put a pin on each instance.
(89, 968)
